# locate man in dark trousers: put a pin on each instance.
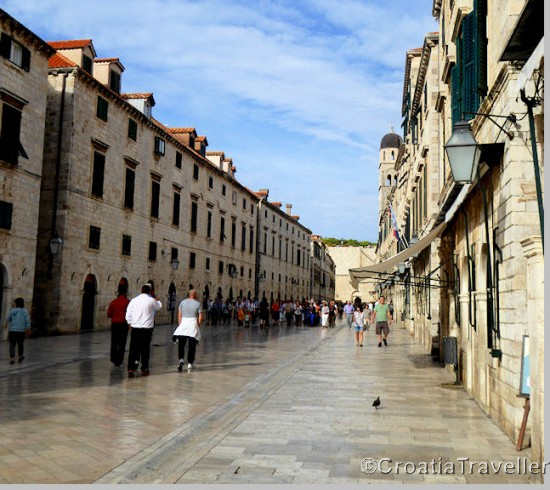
(119, 327)
(140, 315)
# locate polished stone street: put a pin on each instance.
(291, 405)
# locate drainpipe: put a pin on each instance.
(57, 170)
(530, 104)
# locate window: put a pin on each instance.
(280, 246)
(126, 245)
(425, 191)
(192, 258)
(6, 210)
(94, 237)
(15, 52)
(178, 159)
(102, 108)
(210, 182)
(242, 271)
(87, 64)
(224, 190)
(220, 267)
(176, 209)
(173, 254)
(233, 233)
(194, 211)
(249, 273)
(265, 243)
(244, 203)
(252, 210)
(243, 237)
(159, 146)
(114, 81)
(286, 252)
(273, 245)
(251, 239)
(207, 264)
(152, 251)
(298, 257)
(155, 198)
(273, 218)
(209, 225)
(222, 229)
(98, 174)
(10, 144)
(196, 172)
(280, 222)
(129, 187)
(266, 214)
(234, 198)
(132, 129)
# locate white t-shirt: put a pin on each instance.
(141, 311)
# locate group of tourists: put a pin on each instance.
(138, 317)
(361, 315)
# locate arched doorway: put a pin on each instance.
(123, 286)
(88, 303)
(3, 285)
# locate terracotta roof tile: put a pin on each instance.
(70, 44)
(60, 61)
(137, 95)
(181, 130)
(106, 60)
(216, 153)
(276, 203)
(201, 138)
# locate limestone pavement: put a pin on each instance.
(292, 405)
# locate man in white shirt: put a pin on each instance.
(140, 315)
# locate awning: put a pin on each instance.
(389, 265)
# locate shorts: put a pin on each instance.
(358, 328)
(382, 328)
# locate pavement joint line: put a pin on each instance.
(172, 455)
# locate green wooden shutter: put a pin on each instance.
(480, 44)
(5, 45)
(470, 98)
(26, 59)
(455, 94)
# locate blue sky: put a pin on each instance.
(298, 93)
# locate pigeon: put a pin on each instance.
(376, 403)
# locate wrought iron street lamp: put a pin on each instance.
(463, 153)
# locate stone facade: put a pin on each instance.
(481, 280)
(23, 91)
(323, 271)
(346, 258)
(168, 230)
(283, 261)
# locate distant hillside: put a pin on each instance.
(346, 242)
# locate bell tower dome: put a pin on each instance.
(389, 147)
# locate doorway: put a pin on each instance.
(88, 303)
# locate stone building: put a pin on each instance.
(346, 258)
(323, 271)
(283, 262)
(131, 199)
(471, 265)
(23, 91)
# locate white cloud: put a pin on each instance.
(330, 71)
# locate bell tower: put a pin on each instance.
(389, 147)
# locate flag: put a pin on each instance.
(394, 223)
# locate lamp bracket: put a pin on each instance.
(510, 117)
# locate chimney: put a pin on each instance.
(108, 71)
(143, 102)
(289, 209)
(216, 157)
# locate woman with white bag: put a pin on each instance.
(189, 320)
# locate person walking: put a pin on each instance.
(324, 314)
(288, 312)
(382, 316)
(140, 315)
(19, 325)
(188, 332)
(331, 314)
(264, 313)
(358, 322)
(298, 314)
(348, 311)
(119, 327)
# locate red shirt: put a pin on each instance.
(117, 309)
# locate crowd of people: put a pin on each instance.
(137, 317)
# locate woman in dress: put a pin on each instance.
(324, 314)
(358, 323)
